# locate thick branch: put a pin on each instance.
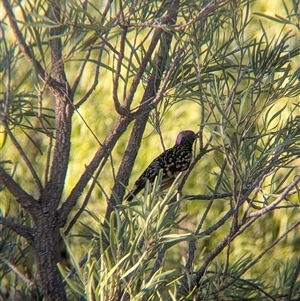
(169, 19)
(60, 88)
(63, 114)
(55, 44)
(22, 230)
(141, 70)
(150, 92)
(102, 154)
(152, 101)
(26, 200)
(54, 187)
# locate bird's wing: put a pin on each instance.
(149, 174)
(171, 162)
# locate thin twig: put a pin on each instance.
(80, 71)
(293, 281)
(48, 159)
(259, 257)
(158, 23)
(151, 103)
(203, 197)
(257, 287)
(7, 97)
(157, 265)
(119, 109)
(192, 243)
(86, 200)
(40, 109)
(138, 76)
(25, 158)
(102, 154)
(92, 87)
(54, 84)
(31, 284)
(277, 201)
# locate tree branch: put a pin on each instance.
(57, 68)
(203, 197)
(95, 81)
(152, 101)
(218, 248)
(26, 200)
(21, 230)
(27, 52)
(63, 113)
(30, 283)
(293, 281)
(118, 107)
(277, 201)
(80, 74)
(150, 92)
(101, 155)
(241, 227)
(192, 243)
(85, 201)
(25, 158)
(258, 258)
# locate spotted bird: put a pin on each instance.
(172, 161)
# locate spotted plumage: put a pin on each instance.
(172, 161)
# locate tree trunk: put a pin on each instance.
(46, 247)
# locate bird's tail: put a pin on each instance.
(138, 186)
(130, 196)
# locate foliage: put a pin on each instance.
(82, 83)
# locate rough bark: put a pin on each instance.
(46, 248)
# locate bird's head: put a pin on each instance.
(186, 136)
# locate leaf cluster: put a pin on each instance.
(204, 69)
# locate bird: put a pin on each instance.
(172, 161)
